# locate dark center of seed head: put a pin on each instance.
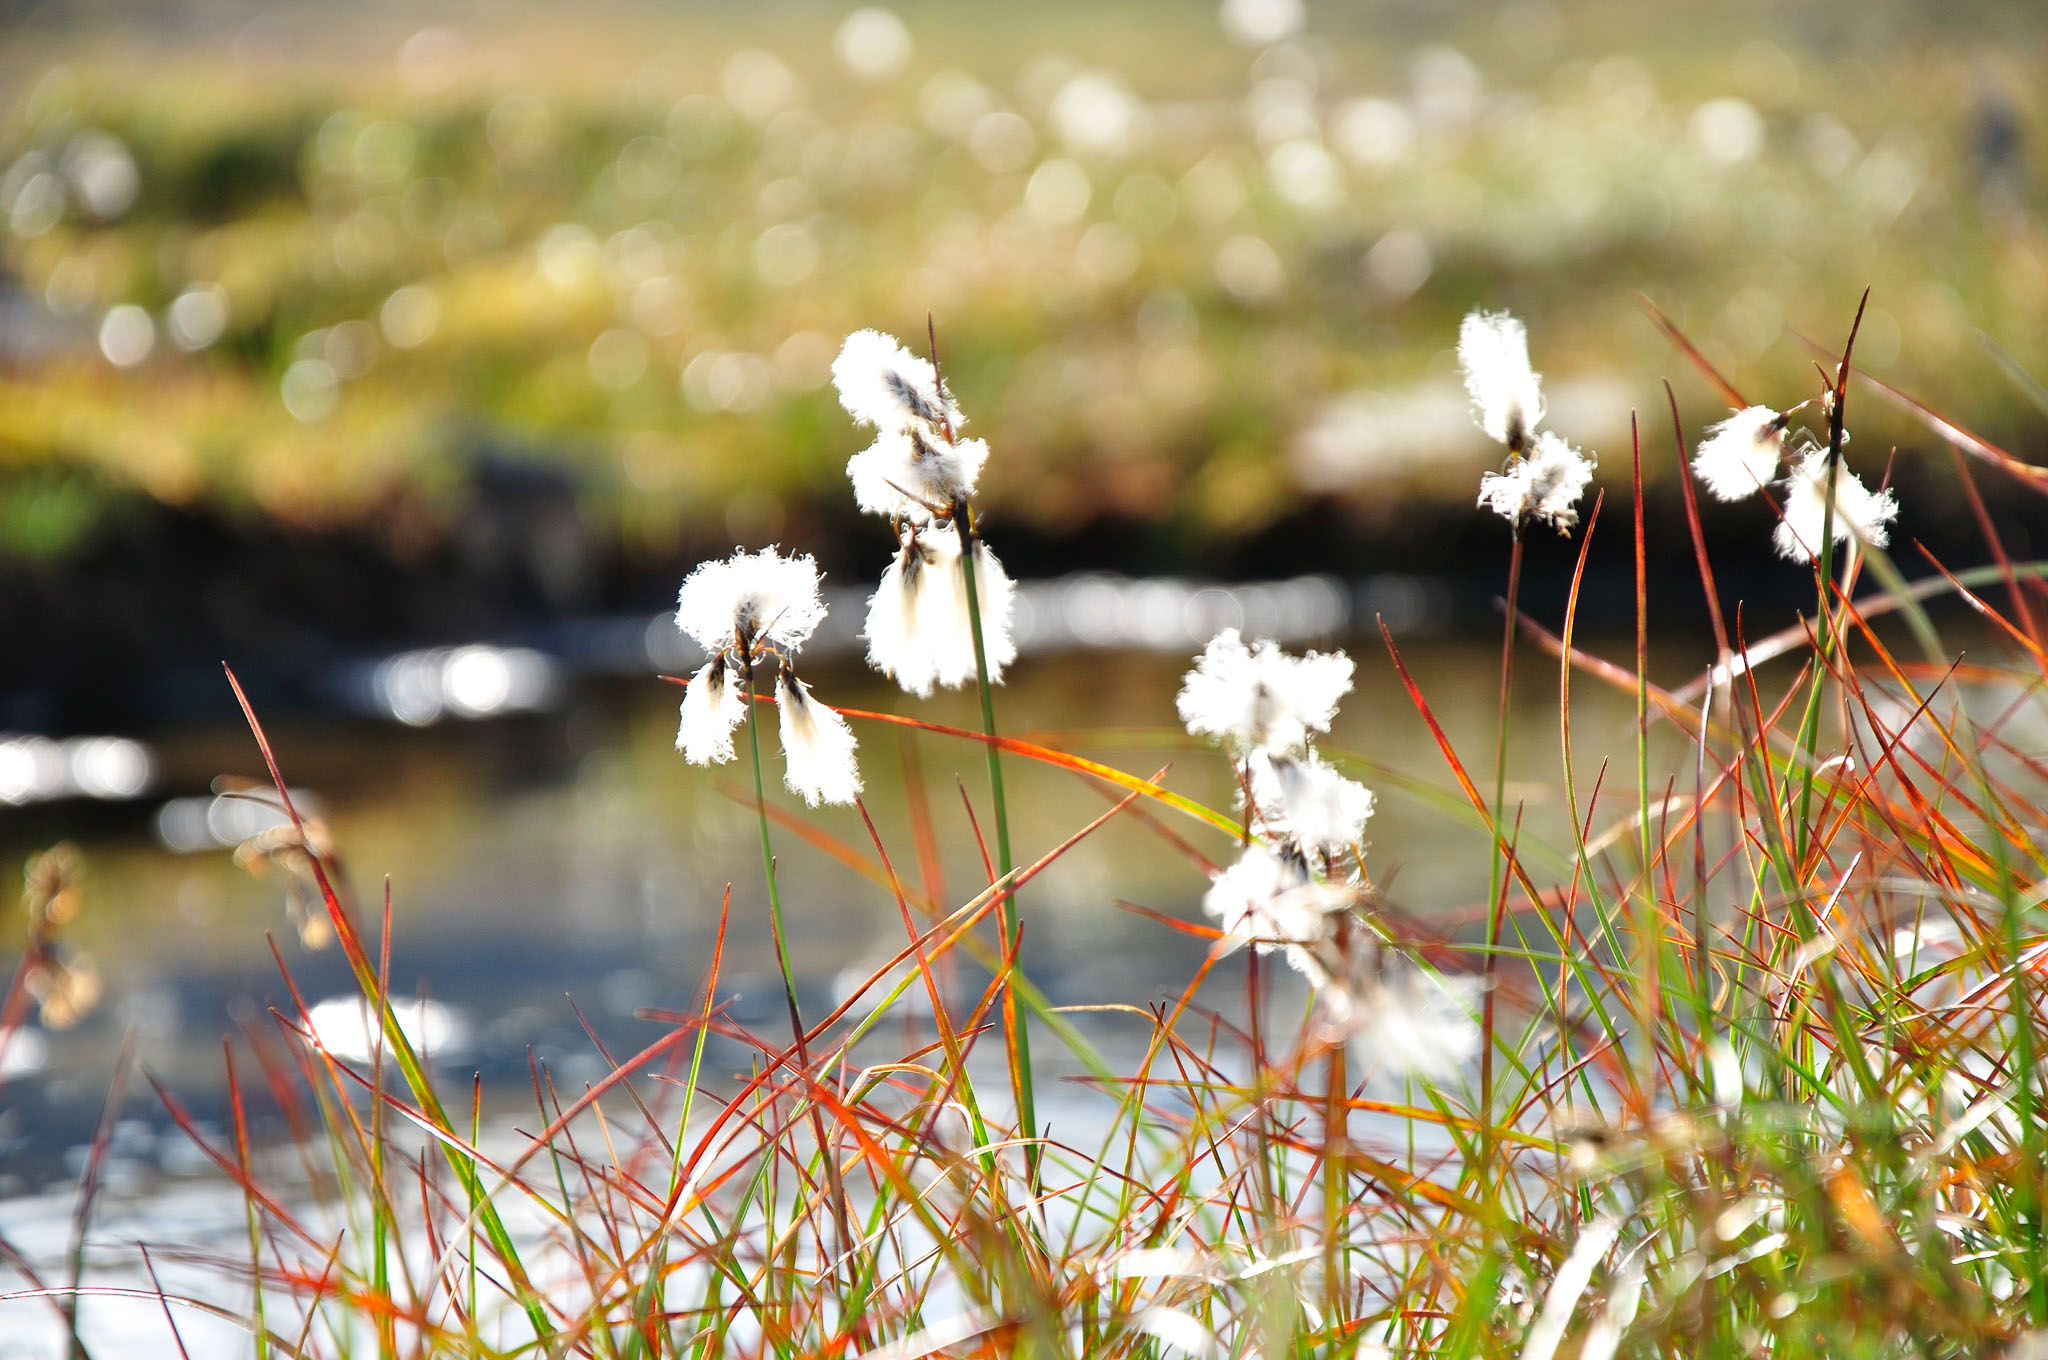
(913, 400)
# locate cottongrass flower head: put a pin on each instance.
(882, 384)
(1740, 454)
(1507, 394)
(922, 476)
(1402, 1020)
(920, 631)
(1859, 511)
(1303, 802)
(1545, 476)
(712, 707)
(749, 611)
(1258, 698)
(1301, 887)
(817, 745)
(758, 599)
(912, 475)
(1270, 900)
(1544, 484)
(918, 468)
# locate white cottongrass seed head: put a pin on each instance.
(712, 708)
(1303, 801)
(997, 596)
(1507, 394)
(897, 646)
(1741, 453)
(1269, 899)
(1258, 698)
(913, 474)
(920, 631)
(817, 746)
(1546, 484)
(883, 384)
(759, 597)
(1859, 511)
(1406, 1021)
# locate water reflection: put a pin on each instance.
(573, 852)
(37, 769)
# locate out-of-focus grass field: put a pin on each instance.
(297, 266)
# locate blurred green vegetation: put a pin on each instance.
(269, 265)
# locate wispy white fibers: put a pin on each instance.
(920, 632)
(920, 474)
(941, 619)
(1858, 510)
(1405, 1021)
(817, 746)
(913, 475)
(1507, 394)
(1741, 454)
(1258, 698)
(712, 708)
(1545, 476)
(1545, 483)
(897, 647)
(1299, 888)
(761, 596)
(1270, 900)
(752, 612)
(1302, 800)
(997, 595)
(884, 385)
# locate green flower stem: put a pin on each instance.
(1013, 1020)
(1496, 886)
(796, 1020)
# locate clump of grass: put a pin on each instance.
(1759, 1068)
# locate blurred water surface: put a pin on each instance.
(574, 854)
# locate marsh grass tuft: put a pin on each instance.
(1761, 1070)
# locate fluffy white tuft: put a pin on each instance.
(1258, 698)
(897, 646)
(920, 630)
(1741, 453)
(1507, 395)
(1546, 483)
(712, 708)
(817, 746)
(761, 595)
(911, 474)
(1305, 801)
(1858, 510)
(1269, 900)
(883, 384)
(997, 595)
(1409, 1022)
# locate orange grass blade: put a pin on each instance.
(1049, 756)
(1969, 441)
(1686, 347)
